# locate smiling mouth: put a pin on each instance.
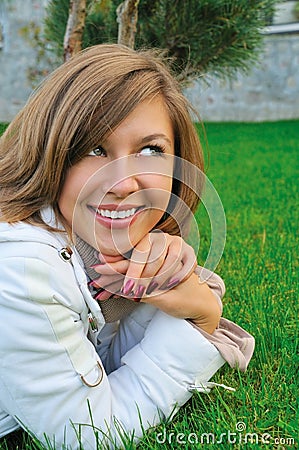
(114, 214)
(117, 214)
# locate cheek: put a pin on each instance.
(159, 192)
(71, 193)
(66, 203)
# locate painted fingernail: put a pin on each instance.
(151, 287)
(128, 287)
(101, 295)
(170, 284)
(139, 293)
(94, 284)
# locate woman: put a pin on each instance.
(95, 163)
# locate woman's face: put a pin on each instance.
(119, 192)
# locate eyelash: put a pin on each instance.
(159, 150)
(92, 153)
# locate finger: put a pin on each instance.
(143, 274)
(179, 264)
(114, 289)
(109, 259)
(163, 260)
(173, 261)
(189, 261)
(112, 268)
(110, 291)
(106, 280)
(103, 295)
(157, 255)
(137, 263)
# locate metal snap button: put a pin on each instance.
(65, 253)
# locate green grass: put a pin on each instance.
(2, 127)
(254, 168)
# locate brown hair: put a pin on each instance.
(71, 113)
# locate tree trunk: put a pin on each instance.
(127, 16)
(72, 43)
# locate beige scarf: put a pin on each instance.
(114, 308)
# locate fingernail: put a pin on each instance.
(94, 284)
(94, 266)
(101, 295)
(139, 293)
(170, 284)
(151, 287)
(128, 287)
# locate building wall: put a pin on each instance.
(270, 92)
(16, 54)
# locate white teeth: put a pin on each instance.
(122, 214)
(116, 214)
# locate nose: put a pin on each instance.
(122, 180)
(125, 187)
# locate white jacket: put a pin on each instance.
(48, 355)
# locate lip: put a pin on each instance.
(110, 223)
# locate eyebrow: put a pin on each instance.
(152, 137)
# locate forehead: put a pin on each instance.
(149, 118)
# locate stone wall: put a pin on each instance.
(270, 92)
(16, 54)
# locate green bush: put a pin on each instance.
(208, 36)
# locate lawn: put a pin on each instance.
(2, 127)
(254, 168)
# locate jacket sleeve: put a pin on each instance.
(40, 385)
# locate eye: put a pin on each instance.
(99, 151)
(152, 150)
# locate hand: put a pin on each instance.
(158, 261)
(190, 299)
